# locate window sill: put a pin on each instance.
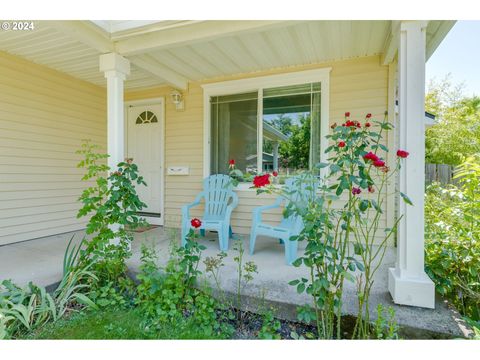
(248, 187)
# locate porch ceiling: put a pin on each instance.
(175, 52)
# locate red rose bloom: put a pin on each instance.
(402, 153)
(352, 123)
(356, 191)
(275, 173)
(232, 162)
(341, 144)
(368, 116)
(347, 114)
(261, 180)
(370, 156)
(379, 163)
(367, 124)
(196, 223)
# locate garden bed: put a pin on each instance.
(123, 324)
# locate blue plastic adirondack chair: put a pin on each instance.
(220, 200)
(300, 191)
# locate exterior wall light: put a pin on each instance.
(177, 99)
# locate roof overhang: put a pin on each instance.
(175, 52)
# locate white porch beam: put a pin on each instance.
(161, 71)
(276, 145)
(437, 38)
(86, 33)
(391, 45)
(116, 69)
(185, 35)
(408, 283)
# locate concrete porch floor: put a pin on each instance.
(40, 261)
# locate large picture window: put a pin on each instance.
(271, 129)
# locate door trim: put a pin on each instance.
(152, 101)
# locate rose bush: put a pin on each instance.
(355, 166)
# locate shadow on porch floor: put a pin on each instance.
(40, 261)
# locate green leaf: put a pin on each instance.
(364, 205)
(83, 299)
(360, 266)
(334, 168)
(406, 198)
(339, 191)
(321, 165)
(358, 248)
(301, 288)
(297, 262)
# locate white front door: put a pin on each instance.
(144, 145)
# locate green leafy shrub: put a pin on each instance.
(129, 323)
(22, 310)
(452, 238)
(111, 204)
(386, 327)
(169, 295)
(245, 272)
(356, 168)
(456, 135)
(270, 326)
(25, 309)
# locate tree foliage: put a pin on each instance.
(457, 134)
(294, 152)
(452, 238)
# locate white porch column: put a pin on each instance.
(408, 282)
(116, 69)
(275, 155)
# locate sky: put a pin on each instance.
(459, 55)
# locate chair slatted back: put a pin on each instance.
(301, 189)
(218, 190)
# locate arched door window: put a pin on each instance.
(146, 117)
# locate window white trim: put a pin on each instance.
(231, 87)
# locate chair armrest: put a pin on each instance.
(186, 208)
(232, 205)
(257, 212)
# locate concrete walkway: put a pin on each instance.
(40, 261)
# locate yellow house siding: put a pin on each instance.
(44, 115)
(358, 85)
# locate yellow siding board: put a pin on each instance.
(25, 82)
(35, 210)
(36, 195)
(22, 112)
(50, 126)
(44, 115)
(29, 202)
(39, 231)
